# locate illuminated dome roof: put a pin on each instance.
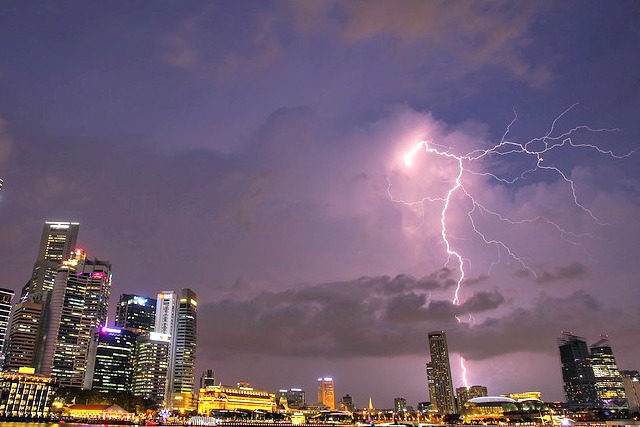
(491, 399)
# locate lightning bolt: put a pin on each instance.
(536, 149)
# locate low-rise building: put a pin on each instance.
(242, 397)
(25, 395)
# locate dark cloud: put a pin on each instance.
(569, 272)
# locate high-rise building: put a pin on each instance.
(182, 357)
(109, 364)
(326, 393)
(176, 316)
(57, 244)
(631, 382)
(609, 387)
(23, 335)
(77, 305)
(6, 296)
(577, 374)
(465, 393)
(136, 313)
(439, 374)
(150, 366)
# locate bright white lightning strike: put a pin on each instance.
(536, 148)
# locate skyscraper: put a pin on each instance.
(57, 243)
(176, 317)
(609, 387)
(463, 394)
(182, 358)
(6, 296)
(109, 364)
(151, 363)
(77, 306)
(631, 382)
(577, 374)
(207, 379)
(23, 335)
(136, 313)
(439, 374)
(326, 393)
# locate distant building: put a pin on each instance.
(109, 366)
(6, 296)
(577, 374)
(439, 374)
(609, 387)
(243, 397)
(326, 393)
(535, 395)
(399, 404)
(424, 407)
(23, 335)
(465, 393)
(346, 403)
(77, 305)
(207, 379)
(151, 363)
(136, 313)
(25, 395)
(295, 397)
(631, 382)
(57, 244)
(182, 353)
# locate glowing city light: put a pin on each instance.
(536, 149)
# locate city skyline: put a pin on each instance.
(257, 153)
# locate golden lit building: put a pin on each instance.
(25, 395)
(229, 398)
(326, 393)
(106, 412)
(526, 395)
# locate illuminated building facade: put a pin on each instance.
(182, 351)
(631, 382)
(439, 374)
(399, 404)
(23, 335)
(57, 244)
(608, 381)
(242, 397)
(136, 313)
(109, 365)
(465, 393)
(577, 374)
(326, 393)
(77, 306)
(25, 395)
(6, 296)
(150, 366)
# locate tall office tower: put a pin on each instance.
(150, 366)
(165, 312)
(609, 387)
(631, 382)
(182, 358)
(77, 305)
(136, 313)
(577, 374)
(57, 244)
(6, 296)
(439, 374)
(326, 393)
(207, 379)
(109, 363)
(23, 335)
(465, 393)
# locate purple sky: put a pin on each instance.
(246, 149)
